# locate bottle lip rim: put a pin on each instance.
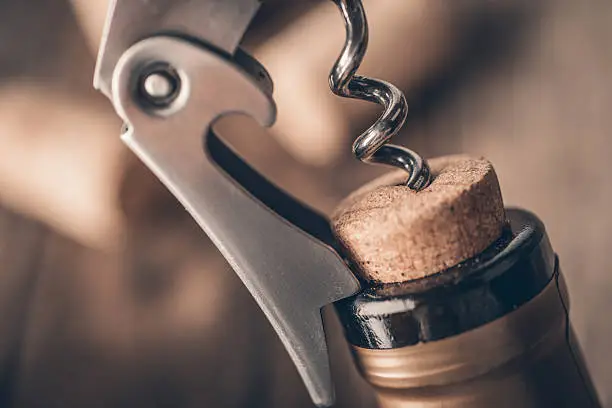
(508, 274)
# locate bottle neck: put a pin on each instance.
(507, 275)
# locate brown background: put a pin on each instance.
(161, 321)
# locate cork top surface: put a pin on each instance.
(393, 234)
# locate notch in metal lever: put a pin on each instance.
(170, 91)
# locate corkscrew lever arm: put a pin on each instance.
(170, 80)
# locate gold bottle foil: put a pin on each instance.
(526, 359)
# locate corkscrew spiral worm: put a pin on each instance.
(372, 146)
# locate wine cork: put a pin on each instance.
(393, 234)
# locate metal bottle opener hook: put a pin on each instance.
(170, 90)
(170, 78)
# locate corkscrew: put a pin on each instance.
(170, 78)
(371, 146)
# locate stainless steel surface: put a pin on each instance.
(291, 274)
(158, 85)
(371, 146)
(220, 23)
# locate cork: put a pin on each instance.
(393, 234)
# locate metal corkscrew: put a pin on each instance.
(171, 78)
(371, 146)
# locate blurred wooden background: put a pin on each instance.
(111, 297)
